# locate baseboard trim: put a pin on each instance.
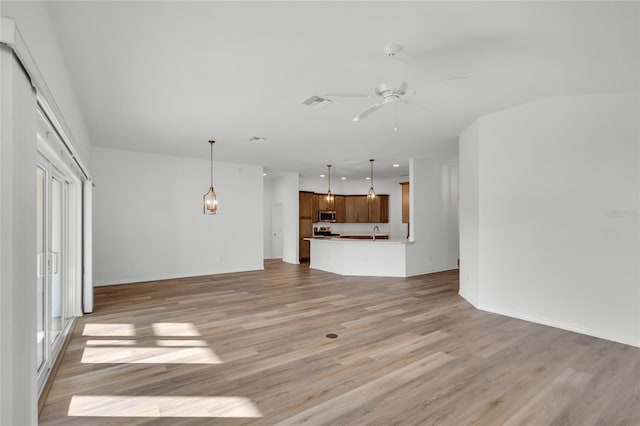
(466, 297)
(556, 324)
(432, 270)
(142, 280)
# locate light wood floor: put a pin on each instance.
(251, 348)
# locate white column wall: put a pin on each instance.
(433, 216)
(468, 214)
(18, 389)
(148, 220)
(558, 190)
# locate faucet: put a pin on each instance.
(375, 228)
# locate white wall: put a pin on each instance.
(284, 191)
(34, 23)
(148, 220)
(559, 184)
(468, 214)
(433, 216)
(267, 202)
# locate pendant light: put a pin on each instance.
(330, 196)
(371, 195)
(209, 200)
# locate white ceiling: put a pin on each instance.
(165, 77)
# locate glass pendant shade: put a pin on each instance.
(371, 195)
(330, 196)
(209, 200)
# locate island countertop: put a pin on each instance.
(348, 240)
(365, 257)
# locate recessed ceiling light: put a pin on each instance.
(368, 178)
(264, 174)
(257, 139)
(322, 175)
(343, 178)
(396, 165)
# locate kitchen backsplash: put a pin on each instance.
(338, 228)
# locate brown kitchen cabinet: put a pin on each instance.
(405, 202)
(357, 209)
(360, 210)
(379, 209)
(315, 208)
(323, 204)
(341, 209)
(305, 223)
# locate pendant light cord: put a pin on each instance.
(371, 173)
(211, 142)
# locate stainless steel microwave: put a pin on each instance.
(326, 216)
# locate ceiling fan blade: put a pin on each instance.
(454, 78)
(350, 95)
(368, 111)
(412, 102)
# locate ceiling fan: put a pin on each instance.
(387, 93)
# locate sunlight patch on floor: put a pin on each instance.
(111, 342)
(174, 329)
(162, 406)
(109, 330)
(181, 343)
(154, 355)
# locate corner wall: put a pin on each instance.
(557, 213)
(433, 216)
(148, 220)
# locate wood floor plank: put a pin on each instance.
(251, 348)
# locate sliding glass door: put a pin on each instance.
(54, 282)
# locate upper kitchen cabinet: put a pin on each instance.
(323, 204)
(379, 209)
(357, 210)
(405, 202)
(360, 210)
(305, 205)
(341, 209)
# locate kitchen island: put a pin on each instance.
(347, 256)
